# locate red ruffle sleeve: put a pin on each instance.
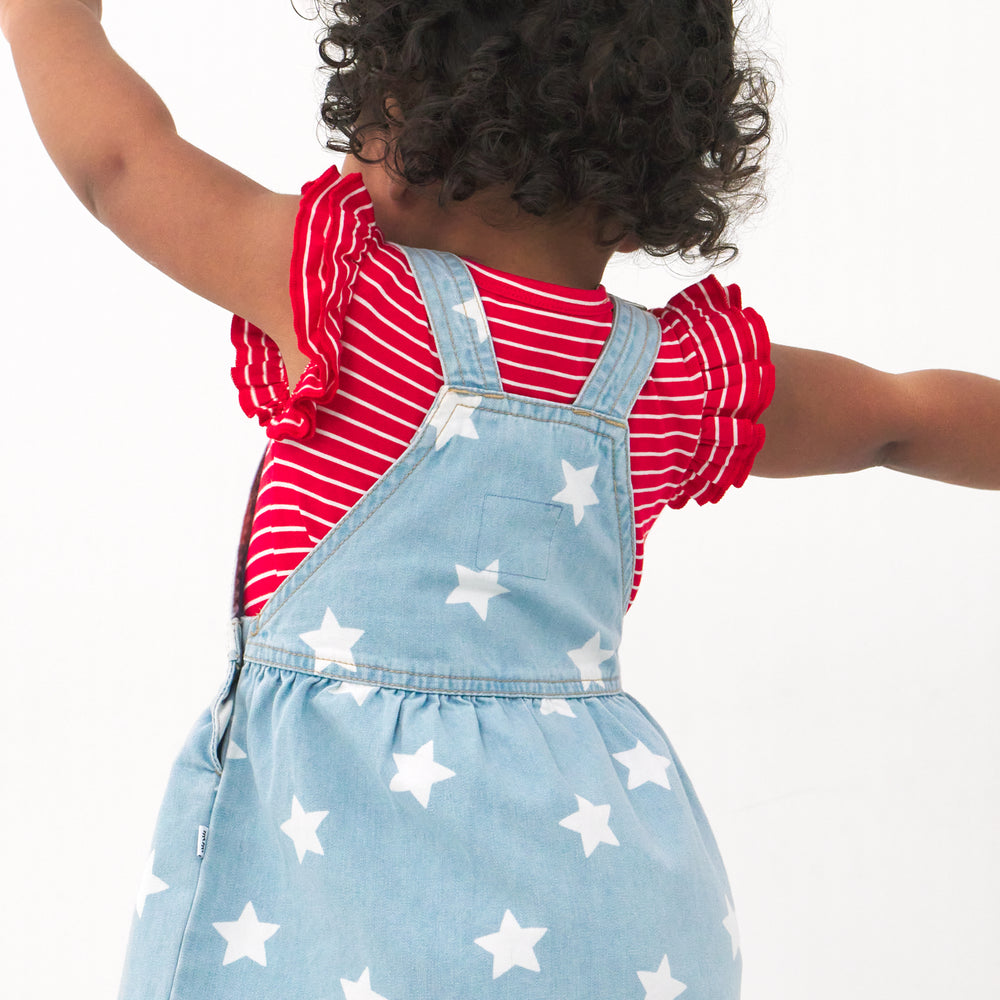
(728, 351)
(334, 230)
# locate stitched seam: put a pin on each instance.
(391, 492)
(618, 509)
(485, 348)
(460, 275)
(640, 356)
(611, 684)
(627, 583)
(603, 368)
(398, 485)
(556, 508)
(456, 356)
(637, 357)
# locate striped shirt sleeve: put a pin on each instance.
(728, 354)
(334, 230)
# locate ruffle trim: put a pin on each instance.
(729, 346)
(333, 233)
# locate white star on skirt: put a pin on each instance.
(661, 985)
(361, 990)
(512, 945)
(556, 706)
(301, 827)
(148, 884)
(732, 926)
(644, 765)
(591, 822)
(417, 772)
(245, 937)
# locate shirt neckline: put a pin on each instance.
(528, 291)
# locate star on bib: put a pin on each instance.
(331, 641)
(588, 659)
(578, 492)
(453, 417)
(477, 588)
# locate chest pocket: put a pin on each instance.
(518, 534)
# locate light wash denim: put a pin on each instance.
(420, 779)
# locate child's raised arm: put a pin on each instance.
(112, 138)
(830, 415)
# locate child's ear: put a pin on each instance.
(629, 244)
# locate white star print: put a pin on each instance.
(359, 692)
(512, 945)
(417, 772)
(245, 937)
(644, 765)
(234, 751)
(588, 659)
(660, 985)
(470, 309)
(578, 492)
(301, 827)
(453, 417)
(477, 588)
(148, 884)
(557, 706)
(591, 822)
(732, 926)
(361, 990)
(331, 641)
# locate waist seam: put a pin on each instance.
(410, 679)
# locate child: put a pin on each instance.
(506, 833)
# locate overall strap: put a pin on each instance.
(457, 320)
(625, 362)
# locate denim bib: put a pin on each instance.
(420, 779)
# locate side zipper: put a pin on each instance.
(222, 716)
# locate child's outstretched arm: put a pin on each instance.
(830, 414)
(112, 138)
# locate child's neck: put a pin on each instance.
(488, 229)
(559, 255)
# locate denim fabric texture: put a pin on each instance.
(420, 778)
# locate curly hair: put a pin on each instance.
(643, 109)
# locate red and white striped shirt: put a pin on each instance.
(373, 372)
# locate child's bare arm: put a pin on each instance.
(202, 223)
(830, 414)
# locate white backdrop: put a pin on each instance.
(822, 652)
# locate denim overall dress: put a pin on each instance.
(421, 779)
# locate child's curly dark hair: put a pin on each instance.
(642, 108)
